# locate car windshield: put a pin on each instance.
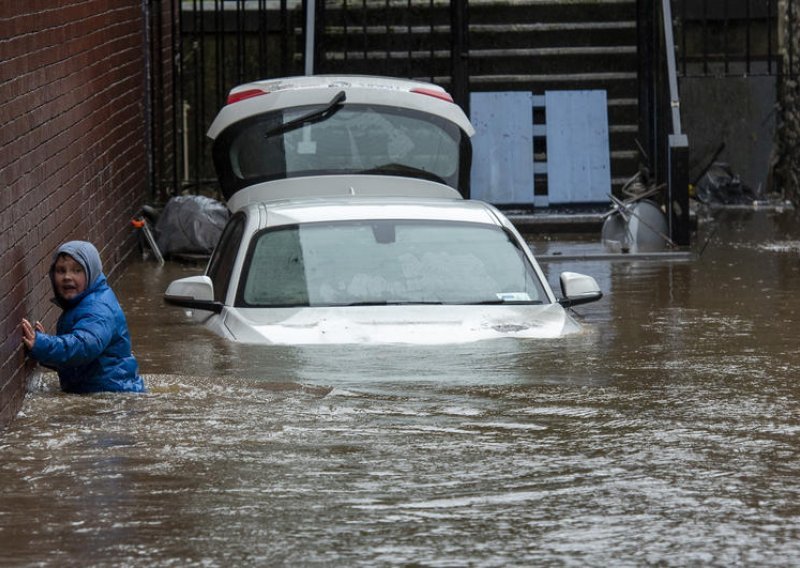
(347, 139)
(387, 262)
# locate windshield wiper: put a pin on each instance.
(405, 170)
(512, 302)
(438, 303)
(391, 303)
(318, 115)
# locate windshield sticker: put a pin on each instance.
(513, 297)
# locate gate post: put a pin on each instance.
(459, 53)
(645, 30)
(678, 187)
(312, 29)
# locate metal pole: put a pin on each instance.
(678, 189)
(176, 37)
(672, 74)
(647, 61)
(459, 53)
(310, 32)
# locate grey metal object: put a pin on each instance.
(151, 240)
(638, 226)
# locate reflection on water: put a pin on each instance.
(667, 433)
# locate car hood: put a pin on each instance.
(427, 325)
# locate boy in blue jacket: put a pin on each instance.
(92, 348)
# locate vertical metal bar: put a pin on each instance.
(286, 33)
(725, 46)
(201, 115)
(157, 94)
(219, 18)
(705, 37)
(409, 39)
(309, 32)
(178, 95)
(161, 161)
(791, 43)
(770, 22)
(677, 145)
(345, 34)
(387, 38)
(240, 36)
(646, 61)
(657, 118)
(320, 25)
(196, 62)
(682, 26)
(364, 19)
(432, 43)
(201, 110)
(683, 35)
(748, 25)
(678, 184)
(459, 53)
(263, 40)
(672, 76)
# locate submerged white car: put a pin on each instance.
(348, 225)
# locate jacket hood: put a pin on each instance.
(87, 256)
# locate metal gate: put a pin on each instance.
(200, 49)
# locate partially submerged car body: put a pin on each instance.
(328, 243)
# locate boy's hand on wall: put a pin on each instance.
(29, 332)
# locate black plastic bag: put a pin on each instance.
(190, 224)
(719, 185)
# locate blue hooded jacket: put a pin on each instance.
(92, 348)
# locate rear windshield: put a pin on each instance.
(387, 262)
(352, 139)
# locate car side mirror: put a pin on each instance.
(194, 292)
(578, 289)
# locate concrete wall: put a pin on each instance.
(736, 111)
(72, 153)
(757, 117)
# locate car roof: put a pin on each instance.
(254, 98)
(297, 211)
(340, 186)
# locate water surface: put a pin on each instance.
(666, 433)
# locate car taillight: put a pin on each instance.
(242, 95)
(433, 93)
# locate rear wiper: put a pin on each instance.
(404, 170)
(318, 115)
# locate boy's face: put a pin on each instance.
(69, 277)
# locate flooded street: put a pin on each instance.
(668, 433)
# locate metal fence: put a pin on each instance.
(735, 38)
(217, 44)
(223, 44)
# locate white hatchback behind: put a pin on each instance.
(348, 224)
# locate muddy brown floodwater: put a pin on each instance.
(667, 434)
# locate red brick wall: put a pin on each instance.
(165, 182)
(72, 152)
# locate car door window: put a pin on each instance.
(221, 265)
